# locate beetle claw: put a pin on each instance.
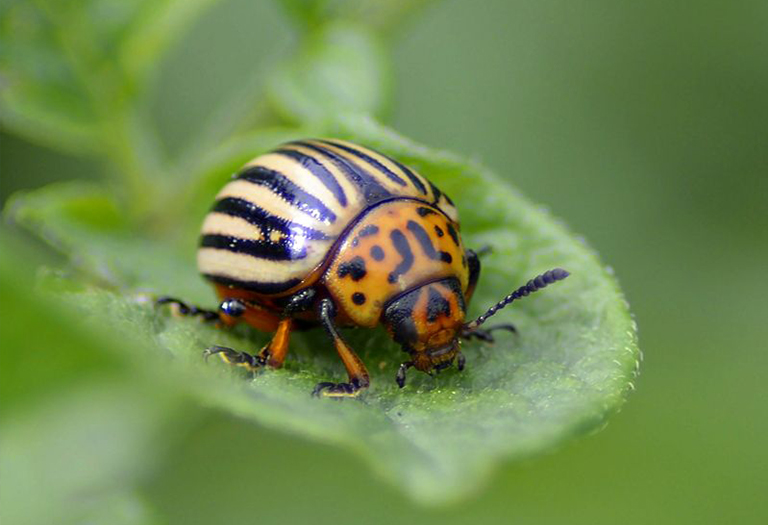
(235, 358)
(400, 377)
(460, 362)
(336, 390)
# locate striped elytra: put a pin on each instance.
(332, 233)
(278, 221)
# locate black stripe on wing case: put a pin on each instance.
(373, 192)
(435, 191)
(318, 170)
(267, 222)
(400, 242)
(288, 249)
(254, 286)
(370, 160)
(411, 175)
(288, 191)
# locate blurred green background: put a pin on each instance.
(643, 125)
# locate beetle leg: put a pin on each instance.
(358, 375)
(229, 309)
(485, 334)
(276, 350)
(461, 361)
(235, 358)
(400, 377)
(186, 309)
(300, 302)
(273, 354)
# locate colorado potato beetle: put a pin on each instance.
(331, 233)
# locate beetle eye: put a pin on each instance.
(232, 307)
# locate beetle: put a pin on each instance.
(327, 232)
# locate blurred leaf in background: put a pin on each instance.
(81, 427)
(620, 116)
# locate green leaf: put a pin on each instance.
(80, 449)
(155, 28)
(80, 423)
(41, 96)
(438, 439)
(70, 69)
(86, 222)
(381, 14)
(340, 67)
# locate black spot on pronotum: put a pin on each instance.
(370, 229)
(377, 253)
(354, 268)
(400, 242)
(426, 243)
(358, 298)
(452, 233)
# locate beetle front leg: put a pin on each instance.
(358, 375)
(400, 377)
(461, 362)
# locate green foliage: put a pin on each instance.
(79, 421)
(77, 75)
(438, 438)
(42, 97)
(379, 14)
(340, 68)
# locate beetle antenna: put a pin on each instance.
(535, 284)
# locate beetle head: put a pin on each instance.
(426, 321)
